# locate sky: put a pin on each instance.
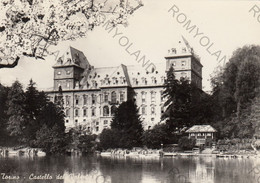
(221, 27)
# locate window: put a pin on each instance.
(113, 97)
(143, 110)
(184, 50)
(152, 97)
(76, 100)
(76, 121)
(152, 119)
(122, 96)
(173, 64)
(67, 98)
(59, 73)
(183, 63)
(143, 97)
(93, 99)
(152, 110)
(97, 129)
(68, 72)
(97, 123)
(162, 110)
(105, 111)
(84, 112)
(76, 112)
(173, 50)
(113, 110)
(105, 122)
(85, 99)
(67, 112)
(93, 112)
(106, 97)
(183, 74)
(67, 121)
(161, 96)
(68, 84)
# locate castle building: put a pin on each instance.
(91, 95)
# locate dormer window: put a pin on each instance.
(183, 63)
(121, 80)
(162, 79)
(68, 72)
(173, 50)
(59, 73)
(114, 80)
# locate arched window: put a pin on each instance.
(85, 112)
(113, 110)
(67, 112)
(105, 111)
(76, 112)
(106, 97)
(153, 97)
(143, 110)
(67, 100)
(143, 97)
(93, 99)
(122, 96)
(93, 112)
(152, 110)
(85, 99)
(76, 100)
(113, 97)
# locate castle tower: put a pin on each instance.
(185, 62)
(68, 71)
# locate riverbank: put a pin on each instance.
(7, 151)
(161, 153)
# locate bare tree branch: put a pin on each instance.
(12, 65)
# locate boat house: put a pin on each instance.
(205, 135)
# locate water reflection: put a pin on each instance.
(127, 169)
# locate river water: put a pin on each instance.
(96, 169)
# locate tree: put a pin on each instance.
(51, 140)
(17, 116)
(186, 144)
(234, 90)
(29, 27)
(87, 143)
(179, 103)
(255, 117)
(153, 138)
(127, 121)
(3, 115)
(34, 101)
(109, 138)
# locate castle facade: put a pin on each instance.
(91, 95)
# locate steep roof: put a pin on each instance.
(122, 75)
(72, 57)
(182, 49)
(201, 128)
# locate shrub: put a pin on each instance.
(186, 144)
